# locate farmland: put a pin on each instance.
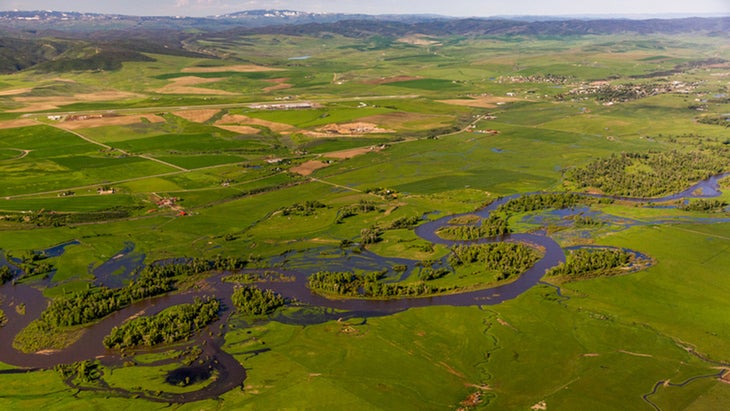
(326, 179)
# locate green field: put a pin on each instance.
(236, 184)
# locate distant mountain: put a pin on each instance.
(298, 17)
(73, 21)
(62, 55)
(19, 54)
(502, 27)
(298, 22)
(63, 41)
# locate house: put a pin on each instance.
(105, 190)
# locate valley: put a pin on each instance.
(464, 219)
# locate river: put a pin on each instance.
(231, 373)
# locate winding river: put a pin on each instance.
(231, 373)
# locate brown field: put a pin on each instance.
(237, 119)
(52, 103)
(14, 91)
(418, 40)
(481, 101)
(278, 84)
(18, 123)
(109, 121)
(308, 167)
(241, 68)
(197, 116)
(348, 129)
(241, 129)
(353, 152)
(185, 85)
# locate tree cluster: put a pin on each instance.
(593, 262)
(405, 222)
(648, 174)
(508, 259)
(303, 209)
(6, 274)
(430, 273)
(354, 209)
(46, 218)
(493, 226)
(89, 305)
(194, 266)
(254, 301)
(173, 324)
(266, 276)
(33, 263)
(370, 235)
(385, 193)
(534, 202)
(87, 371)
(703, 205)
(586, 221)
(346, 283)
(715, 120)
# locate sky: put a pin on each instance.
(460, 8)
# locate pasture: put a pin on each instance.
(459, 122)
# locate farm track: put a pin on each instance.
(108, 147)
(317, 180)
(23, 154)
(184, 170)
(83, 137)
(180, 169)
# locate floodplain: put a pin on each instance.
(256, 170)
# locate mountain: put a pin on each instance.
(72, 21)
(500, 27)
(298, 22)
(275, 17)
(63, 41)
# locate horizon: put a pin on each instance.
(456, 8)
(596, 16)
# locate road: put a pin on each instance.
(184, 170)
(211, 106)
(107, 147)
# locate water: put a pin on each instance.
(118, 270)
(230, 372)
(58, 250)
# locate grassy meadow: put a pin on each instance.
(444, 127)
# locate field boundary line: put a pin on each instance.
(81, 136)
(146, 157)
(335, 184)
(108, 147)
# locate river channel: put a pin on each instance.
(231, 373)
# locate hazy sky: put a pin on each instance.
(449, 7)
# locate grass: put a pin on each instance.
(689, 279)
(58, 160)
(601, 347)
(147, 378)
(335, 373)
(317, 117)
